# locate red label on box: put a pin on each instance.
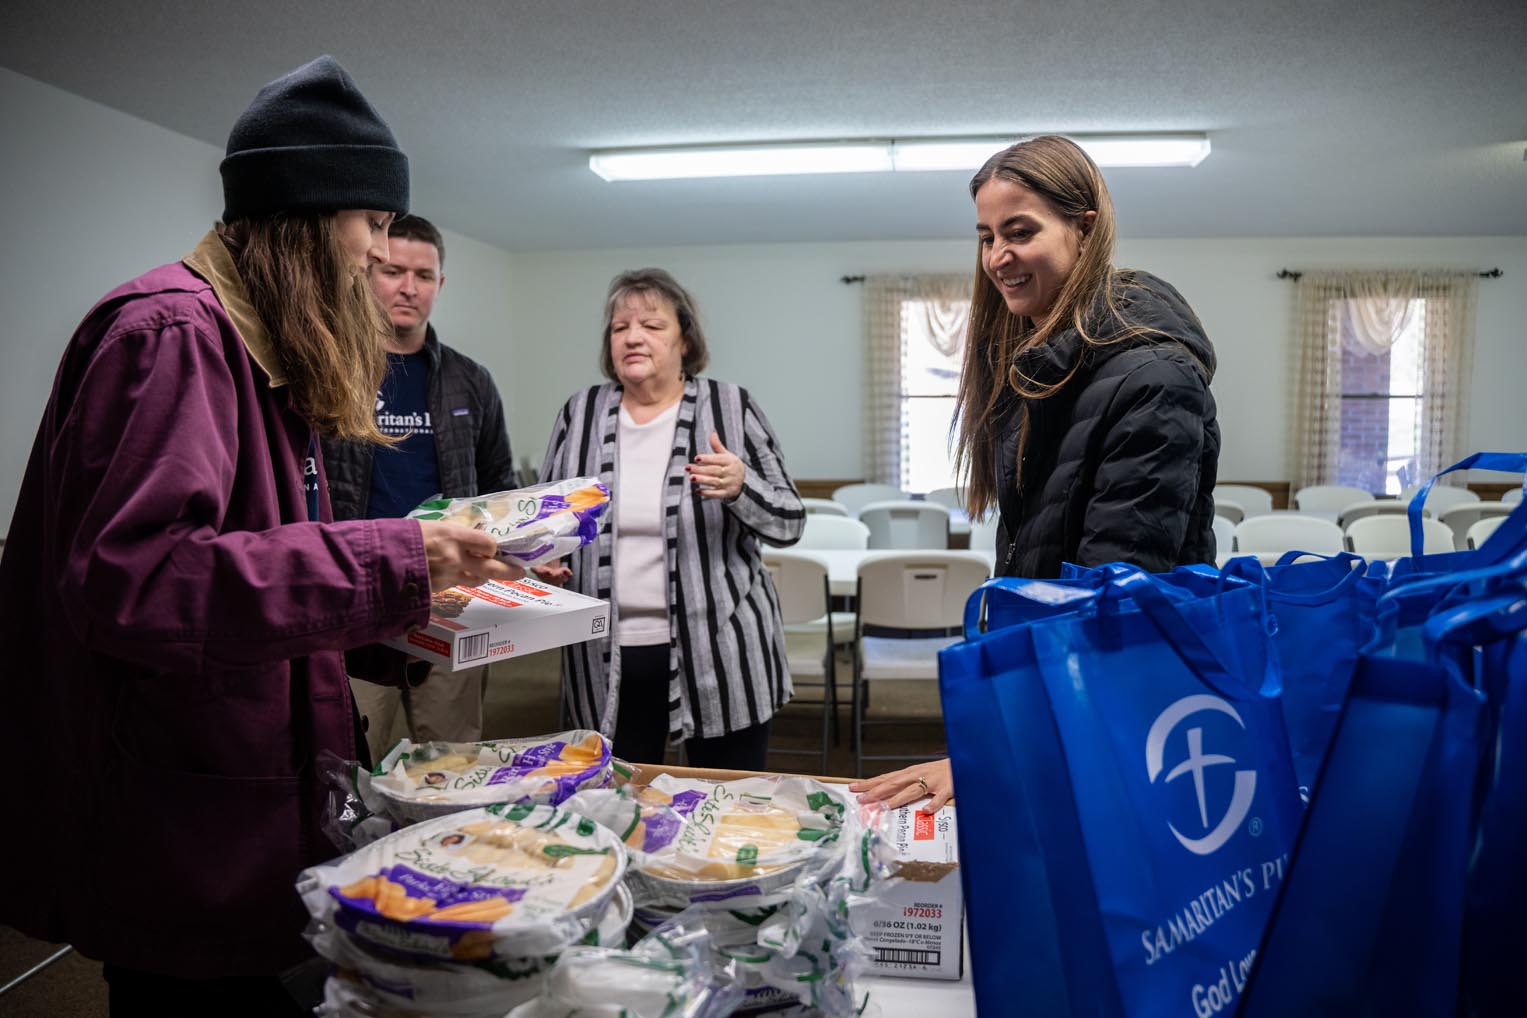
(430, 643)
(494, 598)
(525, 588)
(922, 827)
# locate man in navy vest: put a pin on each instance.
(446, 411)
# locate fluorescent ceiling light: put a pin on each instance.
(869, 156)
(1106, 150)
(742, 160)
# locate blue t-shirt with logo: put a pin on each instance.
(407, 473)
(310, 478)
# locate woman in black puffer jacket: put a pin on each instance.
(1085, 417)
(1084, 407)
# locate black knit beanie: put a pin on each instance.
(311, 141)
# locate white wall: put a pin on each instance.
(93, 197)
(780, 322)
(776, 318)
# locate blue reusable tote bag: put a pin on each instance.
(1479, 633)
(1324, 612)
(1369, 921)
(1126, 800)
(1494, 631)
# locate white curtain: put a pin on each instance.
(1372, 310)
(941, 306)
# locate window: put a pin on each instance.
(1382, 376)
(915, 335)
(932, 347)
(1381, 400)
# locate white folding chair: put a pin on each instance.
(1329, 498)
(1388, 536)
(911, 606)
(826, 506)
(949, 498)
(1480, 532)
(824, 531)
(1373, 507)
(1232, 511)
(800, 580)
(1224, 537)
(1460, 518)
(1253, 500)
(983, 535)
(1442, 496)
(1277, 533)
(906, 525)
(1511, 496)
(856, 496)
(827, 533)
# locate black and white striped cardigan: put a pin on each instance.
(727, 650)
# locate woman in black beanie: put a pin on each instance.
(177, 598)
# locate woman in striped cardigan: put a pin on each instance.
(697, 651)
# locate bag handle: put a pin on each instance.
(1424, 586)
(1249, 568)
(1040, 592)
(1142, 588)
(1513, 462)
(1480, 621)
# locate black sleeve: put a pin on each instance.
(495, 461)
(1147, 478)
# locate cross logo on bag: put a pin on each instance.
(1195, 764)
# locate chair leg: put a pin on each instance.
(858, 724)
(832, 690)
(828, 707)
(853, 697)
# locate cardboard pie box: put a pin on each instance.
(471, 626)
(917, 929)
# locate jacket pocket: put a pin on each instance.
(200, 851)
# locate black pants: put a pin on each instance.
(641, 723)
(131, 993)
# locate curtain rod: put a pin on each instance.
(847, 280)
(1291, 274)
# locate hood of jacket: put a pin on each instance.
(1143, 301)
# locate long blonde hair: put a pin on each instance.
(1057, 170)
(322, 316)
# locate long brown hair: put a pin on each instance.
(322, 317)
(1057, 170)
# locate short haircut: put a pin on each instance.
(656, 283)
(419, 228)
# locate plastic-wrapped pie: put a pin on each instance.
(700, 842)
(419, 781)
(372, 982)
(531, 525)
(498, 882)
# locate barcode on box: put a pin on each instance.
(897, 956)
(474, 647)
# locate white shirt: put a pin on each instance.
(641, 563)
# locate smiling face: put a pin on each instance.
(646, 344)
(1028, 248)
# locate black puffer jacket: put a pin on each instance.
(471, 449)
(1119, 464)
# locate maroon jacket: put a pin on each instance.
(171, 638)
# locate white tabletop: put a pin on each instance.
(843, 563)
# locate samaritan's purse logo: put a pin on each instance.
(1195, 764)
